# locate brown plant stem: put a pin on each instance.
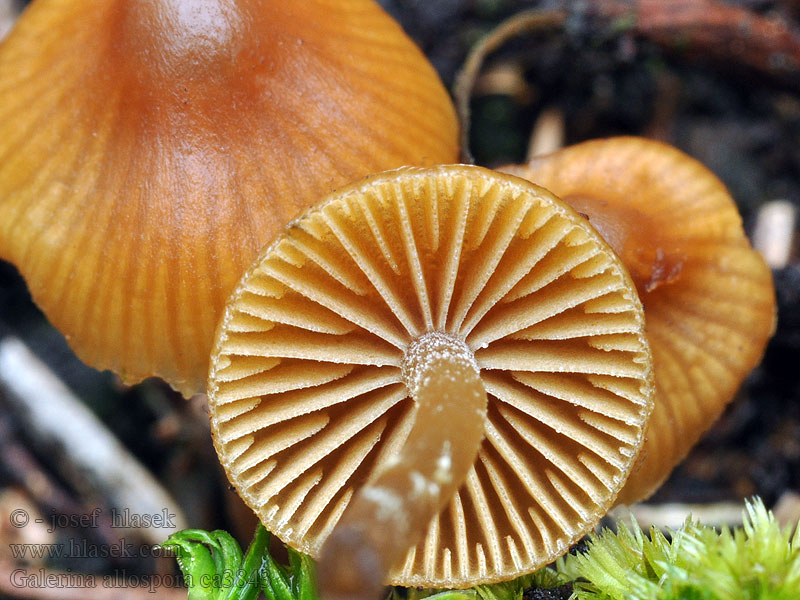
(521, 23)
(712, 29)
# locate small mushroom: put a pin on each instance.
(440, 374)
(707, 295)
(149, 149)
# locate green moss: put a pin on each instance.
(755, 562)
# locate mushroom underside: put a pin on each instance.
(312, 402)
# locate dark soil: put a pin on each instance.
(562, 592)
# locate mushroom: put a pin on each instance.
(707, 295)
(440, 374)
(148, 150)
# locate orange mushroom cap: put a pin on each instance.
(708, 296)
(149, 149)
(440, 374)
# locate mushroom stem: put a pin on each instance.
(388, 515)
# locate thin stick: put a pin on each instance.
(787, 509)
(23, 467)
(55, 417)
(774, 234)
(524, 22)
(712, 29)
(673, 515)
(9, 11)
(548, 133)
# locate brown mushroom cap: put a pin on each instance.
(707, 295)
(148, 150)
(314, 379)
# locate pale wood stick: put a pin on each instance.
(56, 418)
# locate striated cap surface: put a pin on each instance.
(148, 149)
(708, 296)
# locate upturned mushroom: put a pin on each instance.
(436, 374)
(708, 296)
(149, 149)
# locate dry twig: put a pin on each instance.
(712, 29)
(548, 133)
(522, 23)
(774, 234)
(9, 11)
(55, 417)
(673, 515)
